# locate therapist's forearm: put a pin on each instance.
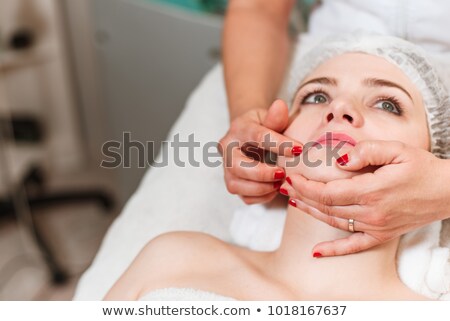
(256, 50)
(445, 178)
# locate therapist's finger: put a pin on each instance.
(354, 243)
(265, 134)
(277, 117)
(330, 220)
(338, 192)
(372, 153)
(276, 121)
(259, 200)
(247, 168)
(356, 212)
(267, 139)
(236, 185)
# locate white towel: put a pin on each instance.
(422, 265)
(258, 227)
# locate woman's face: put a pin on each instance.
(354, 97)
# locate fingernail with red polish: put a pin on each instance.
(284, 191)
(297, 150)
(292, 203)
(343, 160)
(277, 185)
(288, 179)
(278, 175)
(317, 254)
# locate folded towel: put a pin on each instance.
(258, 227)
(422, 265)
(183, 294)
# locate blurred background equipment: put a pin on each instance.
(41, 151)
(209, 6)
(74, 75)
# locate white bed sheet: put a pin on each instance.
(156, 208)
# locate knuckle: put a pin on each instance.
(232, 186)
(237, 164)
(326, 210)
(261, 190)
(227, 146)
(333, 222)
(261, 175)
(326, 198)
(400, 145)
(220, 146)
(365, 149)
(382, 238)
(370, 196)
(268, 198)
(379, 219)
(248, 200)
(332, 251)
(230, 165)
(366, 198)
(352, 248)
(235, 127)
(379, 238)
(259, 136)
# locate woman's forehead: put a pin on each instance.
(358, 64)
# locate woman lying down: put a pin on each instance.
(355, 87)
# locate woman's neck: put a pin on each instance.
(366, 275)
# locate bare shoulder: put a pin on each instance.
(186, 248)
(175, 259)
(186, 239)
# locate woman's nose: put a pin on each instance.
(344, 111)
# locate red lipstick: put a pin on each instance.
(330, 138)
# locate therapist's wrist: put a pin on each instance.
(240, 109)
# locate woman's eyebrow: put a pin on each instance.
(321, 80)
(375, 82)
(371, 82)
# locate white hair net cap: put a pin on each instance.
(427, 72)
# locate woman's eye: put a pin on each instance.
(388, 106)
(315, 99)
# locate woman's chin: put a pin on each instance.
(320, 165)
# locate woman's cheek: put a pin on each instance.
(421, 137)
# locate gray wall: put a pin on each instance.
(150, 58)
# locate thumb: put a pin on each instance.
(277, 117)
(372, 153)
(354, 243)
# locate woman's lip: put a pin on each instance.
(330, 138)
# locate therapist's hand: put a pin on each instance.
(408, 192)
(243, 148)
